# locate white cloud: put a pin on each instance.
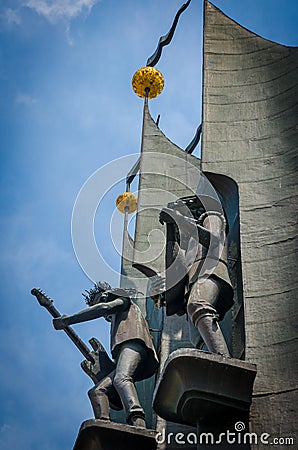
(54, 10)
(12, 17)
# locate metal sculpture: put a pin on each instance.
(166, 39)
(131, 347)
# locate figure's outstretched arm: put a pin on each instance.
(93, 312)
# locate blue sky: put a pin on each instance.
(66, 110)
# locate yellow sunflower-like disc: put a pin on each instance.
(148, 78)
(127, 202)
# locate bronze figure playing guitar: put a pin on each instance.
(131, 347)
(97, 364)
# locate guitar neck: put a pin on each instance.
(72, 335)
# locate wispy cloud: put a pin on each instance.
(24, 99)
(55, 10)
(11, 16)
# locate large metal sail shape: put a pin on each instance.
(250, 108)
(166, 173)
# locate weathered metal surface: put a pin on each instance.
(250, 111)
(132, 278)
(196, 386)
(103, 435)
(166, 173)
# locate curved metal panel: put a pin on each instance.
(250, 93)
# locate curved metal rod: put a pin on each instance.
(166, 39)
(192, 145)
(132, 173)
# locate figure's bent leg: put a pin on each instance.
(204, 316)
(99, 397)
(212, 335)
(129, 361)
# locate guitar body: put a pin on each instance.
(102, 367)
(97, 364)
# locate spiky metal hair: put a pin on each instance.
(99, 288)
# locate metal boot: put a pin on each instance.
(212, 335)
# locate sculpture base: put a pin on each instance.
(197, 387)
(98, 434)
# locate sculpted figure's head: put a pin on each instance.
(97, 293)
